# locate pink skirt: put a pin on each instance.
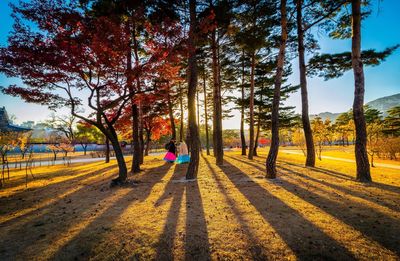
(170, 156)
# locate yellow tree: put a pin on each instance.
(299, 139)
(319, 128)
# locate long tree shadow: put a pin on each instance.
(278, 214)
(248, 162)
(175, 191)
(46, 224)
(339, 175)
(53, 221)
(196, 239)
(256, 250)
(90, 236)
(360, 194)
(355, 193)
(44, 193)
(381, 228)
(151, 177)
(197, 246)
(64, 172)
(394, 189)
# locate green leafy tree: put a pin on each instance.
(86, 134)
(392, 122)
(256, 21)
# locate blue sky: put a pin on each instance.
(379, 31)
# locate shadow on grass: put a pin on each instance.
(64, 171)
(356, 193)
(197, 246)
(196, 237)
(256, 250)
(377, 226)
(40, 228)
(279, 214)
(84, 243)
(339, 175)
(361, 193)
(165, 245)
(390, 188)
(45, 193)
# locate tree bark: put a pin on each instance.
(181, 134)
(242, 137)
(310, 159)
(198, 114)
(205, 111)
(273, 151)
(148, 139)
(136, 157)
(363, 168)
(171, 115)
(217, 112)
(123, 171)
(141, 138)
(107, 150)
(256, 138)
(258, 128)
(135, 168)
(192, 86)
(139, 117)
(251, 108)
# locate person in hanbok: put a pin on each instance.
(183, 154)
(171, 154)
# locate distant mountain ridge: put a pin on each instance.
(382, 104)
(385, 103)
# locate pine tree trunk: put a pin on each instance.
(217, 119)
(251, 107)
(206, 112)
(273, 151)
(257, 137)
(258, 126)
(171, 115)
(198, 114)
(242, 137)
(139, 117)
(310, 159)
(148, 139)
(192, 86)
(181, 134)
(135, 168)
(363, 168)
(141, 138)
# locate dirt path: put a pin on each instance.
(230, 212)
(383, 165)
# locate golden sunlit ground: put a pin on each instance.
(230, 213)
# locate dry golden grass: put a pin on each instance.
(344, 152)
(231, 212)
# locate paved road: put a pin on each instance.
(383, 165)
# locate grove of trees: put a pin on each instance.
(135, 70)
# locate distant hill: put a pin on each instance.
(385, 103)
(326, 115)
(382, 104)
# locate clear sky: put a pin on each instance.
(380, 30)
